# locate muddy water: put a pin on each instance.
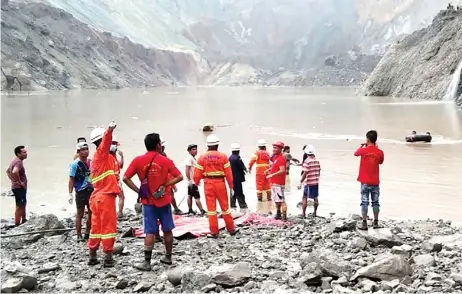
(418, 180)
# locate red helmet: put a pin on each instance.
(278, 144)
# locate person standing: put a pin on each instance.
(102, 200)
(277, 176)
(261, 159)
(193, 189)
(369, 177)
(214, 167)
(79, 179)
(117, 168)
(310, 179)
(289, 160)
(157, 175)
(17, 174)
(238, 168)
(79, 140)
(176, 210)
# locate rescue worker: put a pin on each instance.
(176, 210)
(103, 198)
(117, 168)
(277, 176)
(261, 159)
(213, 166)
(239, 170)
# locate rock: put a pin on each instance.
(48, 267)
(389, 285)
(250, 285)
(341, 290)
(269, 286)
(388, 268)
(118, 249)
(175, 276)
(407, 280)
(349, 225)
(209, 288)
(14, 267)
(29, 282)
(401, 289)
(381, 237)
(122, 284)
(193, 280)
(326, 283)
(434, 277)
(142, 287)
(64, 282)
(404, 250)
(276, 275)
(424, 260)
(457, 277)
(229, 275)
(359, 243)
(12, 285)
(432, 247)
(368, 285)
(329, 261)
(450, 241)
(311, 274)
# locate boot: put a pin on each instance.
(177, 211)
(191, 212)
(203, 212)
(93, 258)
(375, 224)
(166, 259)
(86, 236)
(284, 217)
(108, 260)
(143, 266)
(278, 215)
(363, 226)
(234, 232)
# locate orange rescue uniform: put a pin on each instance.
(103, 198)
(261, 159)
(214, 167)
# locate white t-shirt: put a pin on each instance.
(190, 161)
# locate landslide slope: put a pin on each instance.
(422, 64)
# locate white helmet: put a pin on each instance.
(96, 134)
(212, 140)
(309, 150)
(261, 143)
(235, 147)
(162, 141)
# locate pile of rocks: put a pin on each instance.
(322, 255)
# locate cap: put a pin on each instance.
(309, 150)
(81, 145)
(191, 146)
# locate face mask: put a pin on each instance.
(113, 148)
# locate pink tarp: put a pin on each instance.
(193, 227)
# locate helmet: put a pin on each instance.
(278, 144)
(261, 143)
(235, 147)
(96, 134)
(212, 140)
(309, 150)
(162, 141)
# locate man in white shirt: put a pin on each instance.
(193, 190)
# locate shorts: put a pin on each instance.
(20, 196)
(82, 198)
(311, 192)
(277, 193)
(152, 216)
(193, 191)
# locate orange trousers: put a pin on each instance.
(262, 183)
(215, 190)
(103, 221)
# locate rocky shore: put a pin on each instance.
(322, 255)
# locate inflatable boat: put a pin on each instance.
(419, 138)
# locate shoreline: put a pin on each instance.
(326, 254)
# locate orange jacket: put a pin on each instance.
(103, 175)
(262, 160)
(213, 165)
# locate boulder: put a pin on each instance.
(432, 247)
(175, 275)
(404, 250)
(13, 285)
(449, 241)
(340, 226)
(381, 237)
(387, 269)
(142, 287)
(194, 280)
(311, 274)
(329, 262)
(231, 275)
(424, 260)
(456, 278)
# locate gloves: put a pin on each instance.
(112, 125)
(71, 198)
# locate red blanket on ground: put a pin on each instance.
(193, 227)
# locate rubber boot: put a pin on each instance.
(234, 232)
(278, 215)
(166, 259)
(375, 224)
(363, 226)
(143, 266)
(93, 258)
(108, 260)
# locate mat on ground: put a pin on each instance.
(194, 227)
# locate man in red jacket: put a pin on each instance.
(371, 158)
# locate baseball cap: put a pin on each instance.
(81, 145)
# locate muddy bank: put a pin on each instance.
(323, 255)
(47, 48)
(422, 65)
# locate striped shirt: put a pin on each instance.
(313, 169)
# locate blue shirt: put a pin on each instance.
(81, 174)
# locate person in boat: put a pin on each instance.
(414, 137)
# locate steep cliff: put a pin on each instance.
(46, 47)
(423, 64)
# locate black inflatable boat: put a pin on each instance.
(419, 138)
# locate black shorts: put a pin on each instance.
(20, 196)
(193, 191)
(82, 198)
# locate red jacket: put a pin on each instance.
(103, 175)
